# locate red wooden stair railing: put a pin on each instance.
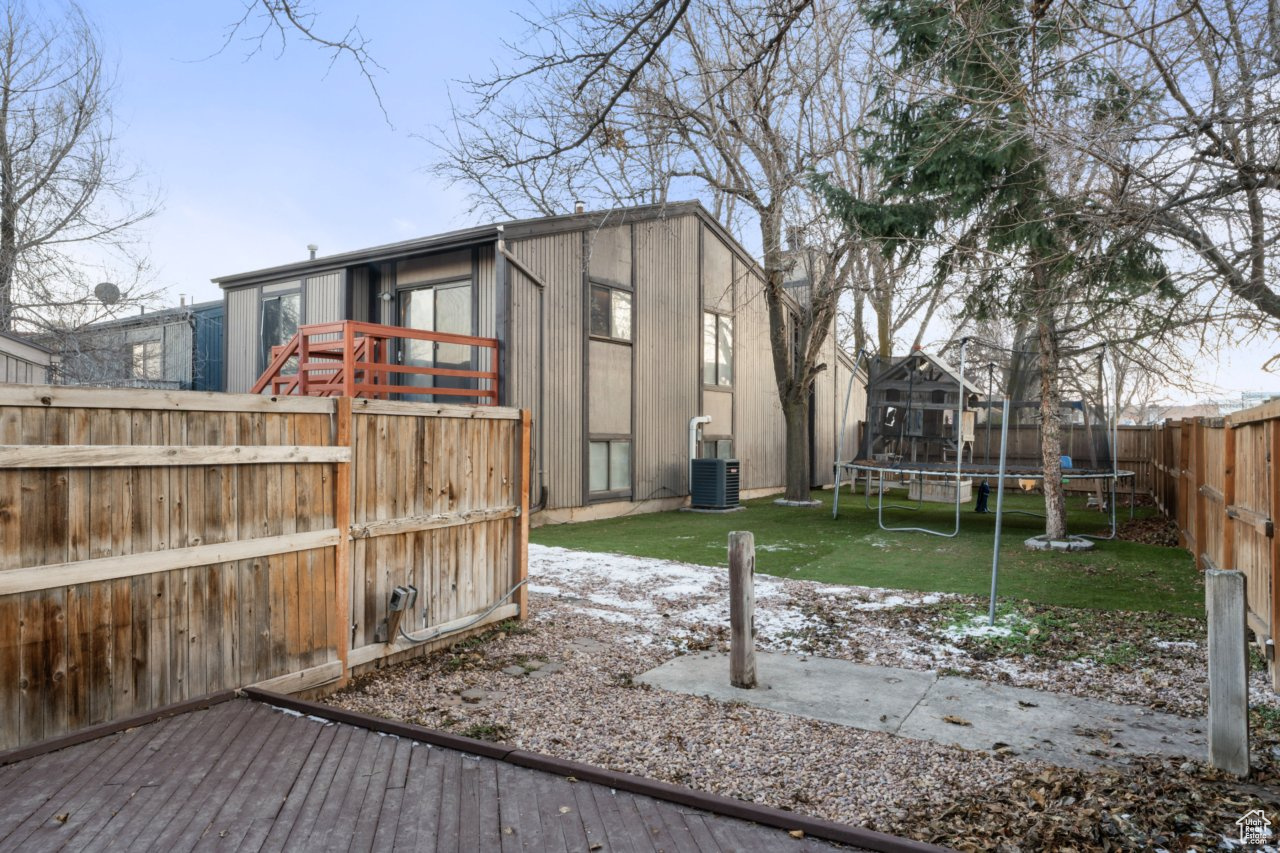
(353, 359)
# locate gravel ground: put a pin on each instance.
(562, 685)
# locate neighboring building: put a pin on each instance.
(615, 328)
(25, 362)
(177, 348)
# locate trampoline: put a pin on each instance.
(922, 422)
(896, 472)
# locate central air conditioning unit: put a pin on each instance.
(715, 484)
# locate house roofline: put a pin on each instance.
(26, 342)
(462, 238)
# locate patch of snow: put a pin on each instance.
(1175, 644)
(978, 627)
(773, 548)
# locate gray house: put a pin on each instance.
(176, 348)
(615, 328)
(25, 362)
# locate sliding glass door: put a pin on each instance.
(438, 308)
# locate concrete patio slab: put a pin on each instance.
(1031, 724)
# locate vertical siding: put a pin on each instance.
(323, 298)
(242, 339)
(760, 435)
(524, 360)
(668, 324)
(556, 260)
(19, 371)
(178, 346)
(857, 408)
(360, 294)
(486, 294)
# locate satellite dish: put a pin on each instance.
(107, 293)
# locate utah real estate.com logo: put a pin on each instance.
(1254, 827)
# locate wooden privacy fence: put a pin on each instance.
(1217, 479)
(1134, 450)
(156, 546)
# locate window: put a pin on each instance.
(717, 349)
(148, 362)
(280, 314)
(610, 466)
(610, 312)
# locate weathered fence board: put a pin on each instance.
(156, 546)
(1217, 479)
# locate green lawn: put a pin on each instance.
(808, 543)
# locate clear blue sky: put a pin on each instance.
(256, 157)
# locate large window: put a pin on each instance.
(610, 313)
(717, 349)
(610, 466)
(148, 360)
(280, 315)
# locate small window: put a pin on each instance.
(610, 312)
(148, 362)
(610, 466)
(717, 349)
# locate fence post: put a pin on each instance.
(1273, 495)
(742, 607)
(1201, 507)
(522, 546)
(1228, 672)
(342, 521)
(1228, 495)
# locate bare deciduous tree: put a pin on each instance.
(67, 206)
(734, 102)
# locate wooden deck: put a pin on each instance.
(243, 774)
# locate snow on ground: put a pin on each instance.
(673, 602)
(675, 607)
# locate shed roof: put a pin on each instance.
(898, 366)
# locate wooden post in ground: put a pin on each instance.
(1228, 672)
(742, 609)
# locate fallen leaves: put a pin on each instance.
(956, 721)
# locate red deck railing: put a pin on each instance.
(352, 359)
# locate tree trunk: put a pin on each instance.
(795, 413)
(1055, 504)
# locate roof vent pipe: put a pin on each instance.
(312, 248)
(579, 207)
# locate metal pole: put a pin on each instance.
(991, 372)
(959, 435)
(995, 555)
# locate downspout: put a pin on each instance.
(540, 500)
(694, 423)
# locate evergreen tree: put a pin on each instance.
(993, 136)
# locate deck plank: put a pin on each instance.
(271, 832)
(426, 770)
(243, 775)
(363, 805)
(178, 777)
(233, 766)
